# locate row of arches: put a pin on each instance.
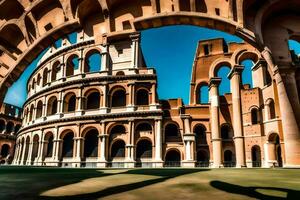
(91, 63)
(91, 100)
(9, 127)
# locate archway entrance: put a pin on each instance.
(172, 159)
(202, 158)
(229, 159)
(274, 150)
(256, 156)
(143, 153)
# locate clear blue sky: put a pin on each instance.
(170, 50)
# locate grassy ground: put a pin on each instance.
(57, 183)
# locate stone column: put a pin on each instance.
(16, 154)
(44, 109)
(235, 82)
(22, 161)
(30, 151)
(288, 114)
(105, 98)
(158, 143)
(130, 146)
(105, 58)
(56, 151)
(135, 49)
(60, 103)
(131, 103)
(215, 121)
(78, 141)
(79, 110)
(259, 72)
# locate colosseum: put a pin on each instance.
(80, 113)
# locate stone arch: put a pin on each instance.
(49, 137)
(69, 102)
(226, 132)
(118, 97)
(92, 99)
(255, 115)
(91, 143)
(201, 92)
(12, 38)
(144, 149)
(217, 64)
(72, 64)
(274, 149)
(256, 156)
(116, 131)
(45, 76)
(142, 97)
(172, 132)
(35, 147)
(200, 132)
(39, 109)
(203, 158)
(55, 71)
(173, 158)
(68, 143)
(117, 150)
(270, 108)
(52, 106)
(92, 61)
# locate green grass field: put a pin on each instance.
(57, 183)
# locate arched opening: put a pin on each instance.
(93, 101)
(143, 150)
(202, 158)
(142, 97)
(35, 147)
(39, 109)
(172, 133)
(72, 65)
(254, 116)
(27, 143)
(9, 127)
(2, 125)
(256, 156)
(120, 73)
(200, 132)
(49, 139)
(52, 106)
(38, 80)
(70, 102)
(45, 76)
(229, 159)
(224, 86)
(202, 94)
(5, 150)
(272, 109)
(247, 72)
(274, 150)
(118, 150)
(31, 113)
(92, 61)
(226, 132)
(55, 71)
(172, 158)
(118, 98)
(68, 144)
(143, 127)
(91, 143)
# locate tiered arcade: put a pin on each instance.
(95, 105)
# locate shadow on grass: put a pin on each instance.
(164, 174)
(253, 191)
(30, 182)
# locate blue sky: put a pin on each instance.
(170, 50)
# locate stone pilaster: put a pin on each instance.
(235, 82)
(215, 121)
